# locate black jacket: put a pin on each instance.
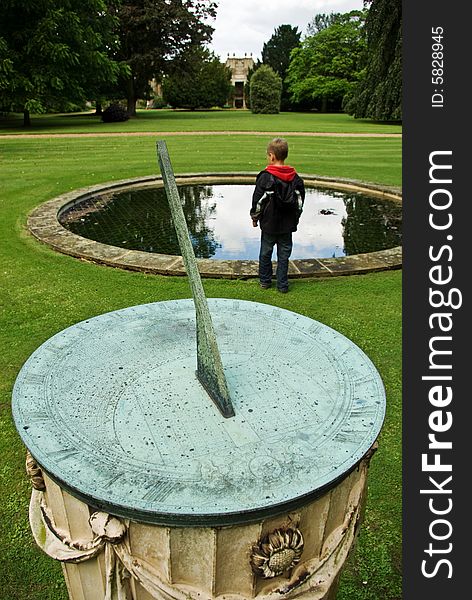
(264, 207)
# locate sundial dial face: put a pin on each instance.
(113, 410)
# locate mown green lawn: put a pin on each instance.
(43, 292)
(100, 159)
(213, 120)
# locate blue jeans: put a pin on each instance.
(284, 249)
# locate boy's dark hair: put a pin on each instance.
(279, 147)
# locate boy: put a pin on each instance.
(277, 204)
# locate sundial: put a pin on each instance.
(198, 412)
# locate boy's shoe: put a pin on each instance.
(282, 290)
(265, 286)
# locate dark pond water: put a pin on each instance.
(333, 223)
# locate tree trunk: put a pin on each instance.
(98, 108)
(26, 118)
(324, 104)
(130, 98)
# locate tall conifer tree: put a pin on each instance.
(276, 54)
(379, 93)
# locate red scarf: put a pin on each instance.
(283, 172)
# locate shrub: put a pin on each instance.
(159, 102)
(266, 91)
(115, 113)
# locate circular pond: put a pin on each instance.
(333, 224)
(344, 229)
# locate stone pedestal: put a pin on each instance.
(295, 554)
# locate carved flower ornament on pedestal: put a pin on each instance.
(277, 552)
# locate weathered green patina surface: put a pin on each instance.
(112, 409)
(209, 366)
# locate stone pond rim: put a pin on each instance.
(43, 223)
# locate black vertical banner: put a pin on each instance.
(437, 424)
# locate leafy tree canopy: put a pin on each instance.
(379, 93)
(54, 52)
(328, 64)
(155, 32)
(199, 80)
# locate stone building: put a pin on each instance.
(239, 71)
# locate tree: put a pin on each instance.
(6, 68)
(328, 64)
(155, 32)
(55, 52)
(276, 54)
(199, 81)
(266, 89)
(379, 93)
(322, 21)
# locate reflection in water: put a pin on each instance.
(371, 224)
(333, 223)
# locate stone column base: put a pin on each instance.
(296, 554)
